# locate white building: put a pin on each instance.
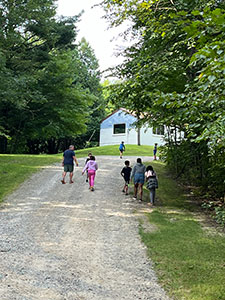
(119, 126)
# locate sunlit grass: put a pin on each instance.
(131, 150)
(189, 262)
(14, 169)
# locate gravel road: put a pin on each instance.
(64, 242)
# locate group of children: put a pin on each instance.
(140, 174)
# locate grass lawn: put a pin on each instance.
(131, 150)
(189, 260)
(14, 169)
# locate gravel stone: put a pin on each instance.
(64, 242)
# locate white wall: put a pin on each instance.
(108, 138)
(130, 137)
(148, 138)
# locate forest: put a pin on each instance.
(50, 91)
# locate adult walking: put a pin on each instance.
(68, 163)
(152, 183)
(138, 174)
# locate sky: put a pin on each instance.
(104, 41)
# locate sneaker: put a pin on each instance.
(123, 191)
(134, 198)
(63, 181)
(71, 181)
(140, 200)
(86, 180)
(92, 189)
(126, 194)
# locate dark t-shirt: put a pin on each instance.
(68, 157)
(126, 173)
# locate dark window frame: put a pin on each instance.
(119, 130)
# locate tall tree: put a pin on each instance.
(39, 101)
(174, 74)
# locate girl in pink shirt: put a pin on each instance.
(91, 166)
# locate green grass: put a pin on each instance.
(190, 262)
(131, 150)
(14, 169)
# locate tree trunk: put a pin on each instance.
(139, 136)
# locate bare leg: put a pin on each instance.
(140, 186)
(63, 177)
(71, 177)
(135, 190)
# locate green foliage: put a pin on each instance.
(44, 95)
(217, 209)
(174, 76)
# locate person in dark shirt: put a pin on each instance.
(68, 163)
(126, 171)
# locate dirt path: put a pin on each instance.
(64, 242)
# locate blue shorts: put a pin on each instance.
(154, 152)
(139, 178)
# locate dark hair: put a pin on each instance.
(89, 154)
(150, 168)
(139, 160)
(122, 142)
(92, 157)
(127, 163)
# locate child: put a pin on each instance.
(88, 158)
(126, 171)
(121, 148)
(138, 173)
(91, 166)
(155, 150)
(152, 183)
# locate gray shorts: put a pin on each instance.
(68, 168)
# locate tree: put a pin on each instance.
(88, 76)
(40, 103)
(174, 75)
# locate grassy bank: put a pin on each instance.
(189, 260)
(14, 169)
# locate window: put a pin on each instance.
(158, 130)
(119, 128)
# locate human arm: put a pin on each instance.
(75, 159)
(85, 168)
